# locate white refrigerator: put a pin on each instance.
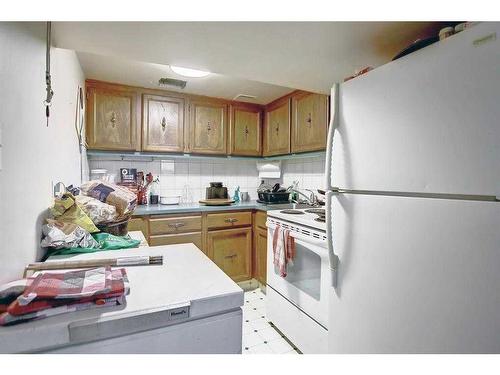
(413, 202)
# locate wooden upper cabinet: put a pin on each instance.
(309, 122)
(208, 129)
(277, 128)
(231, 250)
(245, 130)
(162, 123)
(111, 119)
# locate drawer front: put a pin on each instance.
(229, 219)
(173, 239)
(172, 225)
(260, 219)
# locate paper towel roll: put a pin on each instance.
(269, 169)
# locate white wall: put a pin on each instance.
(33, 155)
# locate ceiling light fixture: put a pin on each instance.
(186, 72)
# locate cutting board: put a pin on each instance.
(216, 202)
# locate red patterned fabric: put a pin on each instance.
(117, 285)
(67, 285)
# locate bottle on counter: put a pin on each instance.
(236, 196)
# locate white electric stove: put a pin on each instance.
(310, 217)
(298, 303)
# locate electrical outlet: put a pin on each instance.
(167, 167)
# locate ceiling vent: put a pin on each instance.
(169, 82)
(244, 97)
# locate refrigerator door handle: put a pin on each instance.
(334, 122)
(333, 258)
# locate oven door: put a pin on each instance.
(306, 282)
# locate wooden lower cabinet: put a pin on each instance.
(236, 241)
(229, 219)
(175, 225)
(260, 255)
(139, 224)
(231, 250)
(173, 239)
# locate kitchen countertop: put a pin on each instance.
(153, 290)
(159, 209)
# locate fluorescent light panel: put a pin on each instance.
(187, 72)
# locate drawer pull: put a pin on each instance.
(231, 220)
(231, 256)
(176, 225)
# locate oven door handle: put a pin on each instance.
(303, 238)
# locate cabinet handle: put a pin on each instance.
(231, 220)
(246, 131)
(231, 256)
(208, 126)
(163, 123)
(277, 128)
(113, 119)
(309, 120)
(176, 225)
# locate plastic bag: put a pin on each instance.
(105, 241)
(98, 211)
(59, 235)
(123, 199)
(65, 210)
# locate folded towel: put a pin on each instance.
(119, 287)
(69, 284)
(8, 319)
(283, 249)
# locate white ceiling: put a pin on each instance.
(303, 55)
(143, 74)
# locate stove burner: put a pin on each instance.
(320, 219)
(292, 212)
(316, 211)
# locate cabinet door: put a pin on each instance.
(309, 122)
(231, 250)
(245, 128)
(173, 239)
(260, 255)
(208, 127)
(162, 123)
(111, 119)
(277, 128)
(139, 224)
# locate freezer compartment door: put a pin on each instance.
(428, 122)
(415, 276)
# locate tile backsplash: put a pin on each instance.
(189, 177)
(310, 172)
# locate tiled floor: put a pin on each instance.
(259, 337)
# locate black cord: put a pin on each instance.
(48, 78)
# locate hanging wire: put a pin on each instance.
(48, 80)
